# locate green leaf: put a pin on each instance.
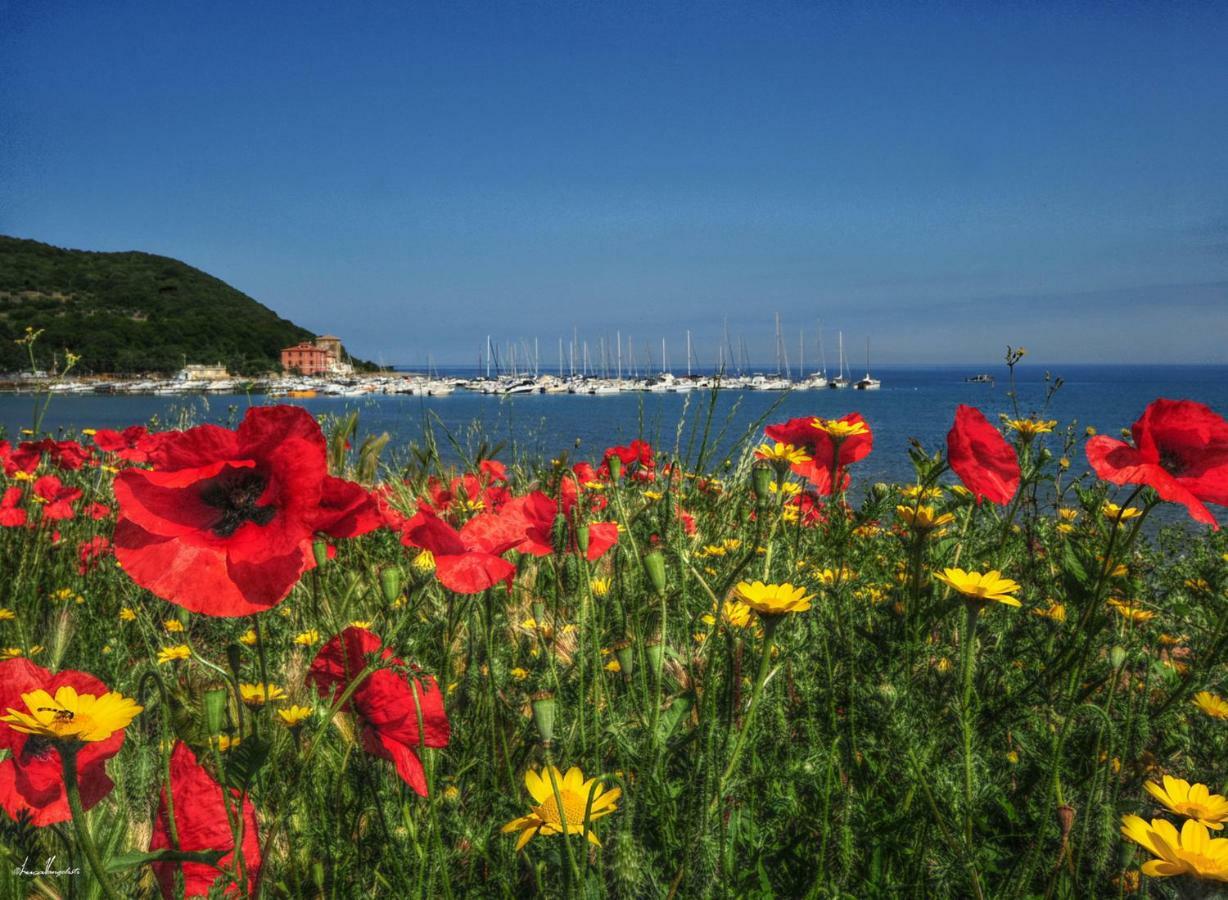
(129, 860)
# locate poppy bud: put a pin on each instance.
(234, 656)
(626, 659)
(655, 651)
(1117, 656)
(616, 468)
(543, 716)
(761, 481)
(390, 583)
(319, 549)
(558, 535)
(214, 706)
(582, 538)
(539, 611)
(654, 564)
(1065, 818)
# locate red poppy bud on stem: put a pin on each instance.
(761, 481)
(214, 706)
(390, 583)
(655, 650)
(543, 716)
(626, 659)
(1065, 818)
(654, 564)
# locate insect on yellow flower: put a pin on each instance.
(839, 430)
(975, 586)
(773, 599)
(69, 716)
(1192, 851)
(581, 800)
(1194, 801)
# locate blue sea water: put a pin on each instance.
(913, 403)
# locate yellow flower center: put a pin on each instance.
(574, 806)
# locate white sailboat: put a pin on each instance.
(840, 381)
(868, 383)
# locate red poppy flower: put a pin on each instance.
(132, 444)
(585, 472)
(637, 460)
(981, 457)
(90, 553)
(388, 702)
(58, 497)
(687, 520)
(98, 511)
(32, 778)
(223, 523)
(821, 448)
(809, 510)
(12, 515)
(471, 560)
(1180, 450)
(66, 455)
(469, 492)
(537, 513)
(201, 824)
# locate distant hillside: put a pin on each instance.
(130, 312)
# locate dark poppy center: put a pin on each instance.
(1171, 463)
(236, 496)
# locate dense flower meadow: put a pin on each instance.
(259, 661)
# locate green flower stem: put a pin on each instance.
(965, 712)
(765, 664)
(68, 757)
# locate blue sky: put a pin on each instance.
(945, 178)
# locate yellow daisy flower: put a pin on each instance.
(838, 430)
(259, 694)
(171, 654)
(777, 452)
(923, 518)
(1190, 852)
(1030, 428)
(581, 800)
(294, 715)
(1194, 801)
(1214, 706)
(773, 599)
(69, 716)
(975, 586)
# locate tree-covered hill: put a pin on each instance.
(130, 312)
